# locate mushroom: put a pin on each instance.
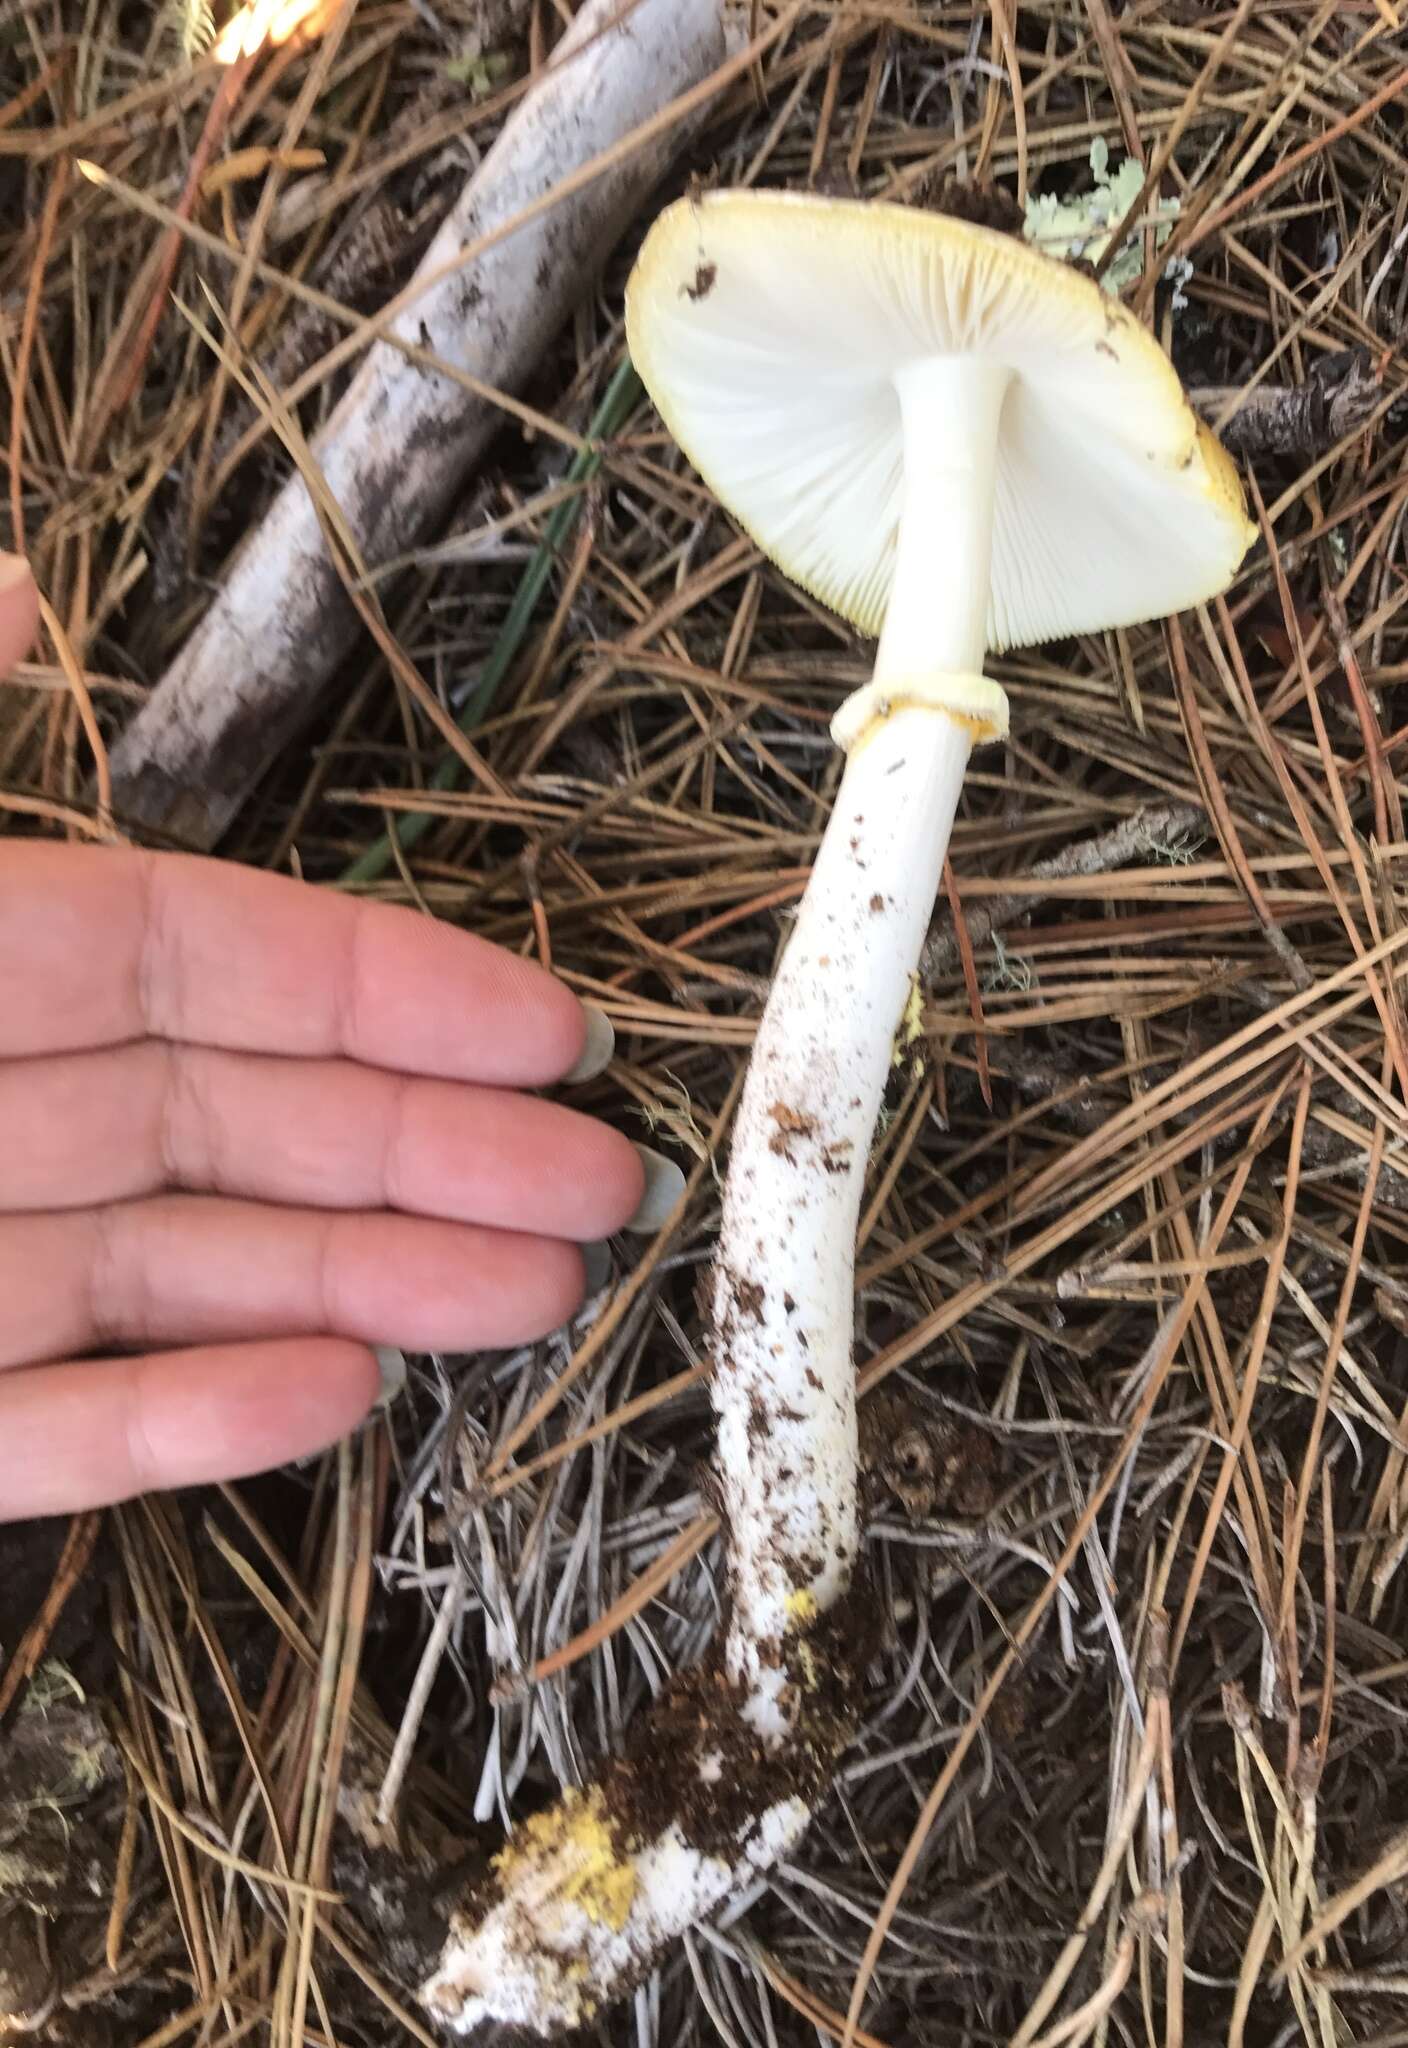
(958, 444)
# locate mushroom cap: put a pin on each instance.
(769, 328)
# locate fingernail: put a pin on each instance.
(596, 1263)
(664, 1184)
(13, 569)
(391, 1364)
(597, 1047)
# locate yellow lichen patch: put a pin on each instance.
(573, 1847)
(802, 1611)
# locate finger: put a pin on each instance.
(19, 611)
(89, 1128)
(101, 945)
(185, 1269)
(81, 1436)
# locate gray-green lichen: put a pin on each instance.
(1080, 227)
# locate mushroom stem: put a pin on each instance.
(783, 1384)
(903, 323)
(579, 1910)
(937, 617)
(590, 1896)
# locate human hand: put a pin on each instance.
(261, 1128)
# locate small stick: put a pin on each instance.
(428, 1669)
(1295, 419)
(1153, 826)
(79, 1545)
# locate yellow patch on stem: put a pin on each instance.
(911, 1025)
(802, 1607)
(576, 1837)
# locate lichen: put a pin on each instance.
(1080, 227)
(191, 23)
(51, 1683)
(16, 1872)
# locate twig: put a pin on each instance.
(1157, 825)
(1295, 419)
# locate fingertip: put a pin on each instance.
(629, 1183)
(15, 572)
(598, 1046)
(663, 1183)
(435, 1286)
(565, 1040)
(394, 1371)
(561, 1290)
(244, 1408)
(588, 1179)
(345, 1381)
(431, 998)
(597, 1264)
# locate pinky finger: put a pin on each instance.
(89, 1434)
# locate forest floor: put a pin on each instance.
(1156, 1130)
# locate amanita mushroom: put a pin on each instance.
(957, 444)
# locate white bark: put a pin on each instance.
(402, 440)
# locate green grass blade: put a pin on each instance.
(620, 395)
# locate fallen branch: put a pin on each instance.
(1156, 826)
(398, 447)
(1294, 419)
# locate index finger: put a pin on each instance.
(102, 945)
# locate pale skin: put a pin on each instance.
(250, 1129)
